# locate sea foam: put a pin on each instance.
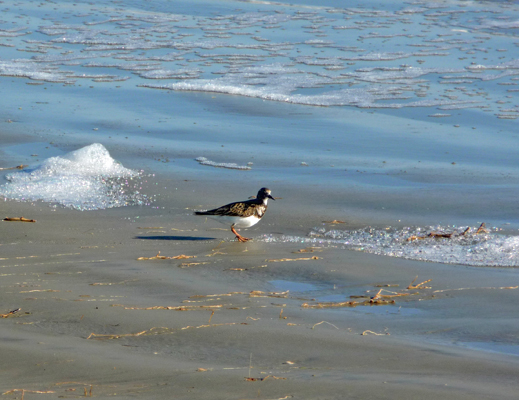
(488, 249)
(84, 179)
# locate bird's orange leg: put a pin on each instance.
(238, 236)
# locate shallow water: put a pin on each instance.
(494, 347)
(322, 293)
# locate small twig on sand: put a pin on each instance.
(474, 288)
(112, 283)
(173, 308)
(10, 313)
(101, 336)
(307, 250)
(294, 259)
(249, 379)
(88, 394)
(481, 229)
(197, 296)
(159, 257)
(215, 251)
(370, 302)
(365, 333)
(71, 383)
(324, 322)
(331, 304)
(19, 219)
(187, 265)
(419, 285)
(257, 293)
(154, 331)
(28, 391)
(377, 295)
(219, 244)
(21, 166)
(431, 234)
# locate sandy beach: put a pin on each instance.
(386, 132)
(229, 321)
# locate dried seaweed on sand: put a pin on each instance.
(21, 166)
(249, 379)
(475, 288)
(159, 257)
(257, 293)
(332, 304)
(307, 250)
(196, 296)
(192, 264)
(10, 313)
(153, 331)
(368, 332)
(28, 391)
(419, 285)
(294, 259)
(382, 297)
(172, 308)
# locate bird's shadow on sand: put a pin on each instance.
(179, 238)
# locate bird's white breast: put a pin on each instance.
(237, 221)
(246, 222)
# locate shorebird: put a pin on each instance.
(241, 214)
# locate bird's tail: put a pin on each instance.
(201, 213)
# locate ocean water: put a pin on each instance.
(405, 110)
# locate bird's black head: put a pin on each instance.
(264, 193)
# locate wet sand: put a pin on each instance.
(74, 274)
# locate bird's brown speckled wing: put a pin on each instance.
(241, 209)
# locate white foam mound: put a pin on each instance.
(486, 249)
(205, 161)
(84, 179)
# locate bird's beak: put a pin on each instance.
(270, 197)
